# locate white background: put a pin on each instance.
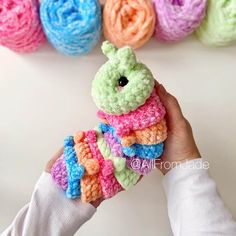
(45, 96)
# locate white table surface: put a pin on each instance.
(45, 96)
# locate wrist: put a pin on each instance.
(166, 165)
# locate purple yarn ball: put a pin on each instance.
(176, 19)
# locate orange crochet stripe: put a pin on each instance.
(154, 134)
(90, 184)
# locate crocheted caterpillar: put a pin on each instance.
(111, 157)
(20, 27)
(72, 27)
(176, 19)
(219, 26)
(128, 22)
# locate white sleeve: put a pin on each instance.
(49, 212)
(194, 205)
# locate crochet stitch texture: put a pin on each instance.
(72, 27)
(96, 163)
(219, 26)
(128, 22)
(176, 19)
(20, 27)
(113, 99)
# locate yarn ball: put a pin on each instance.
(219, 26)
(122, 84)
(20, 27)
(72, 27)
(128, 22)
(176, 19)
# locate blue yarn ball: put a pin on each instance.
(73, 27)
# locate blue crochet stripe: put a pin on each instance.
(73, 27)
(143, 151)
(75, 171)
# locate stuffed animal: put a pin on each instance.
(130, 137)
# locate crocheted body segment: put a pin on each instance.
(90, 184)
(109, 183)
(113, 156)
(75, 171)
(150, 113)
(153, 134)
(143, 151)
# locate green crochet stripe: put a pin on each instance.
(105, 88)
(126, 177)
(219, 25)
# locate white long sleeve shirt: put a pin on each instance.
(194, 207)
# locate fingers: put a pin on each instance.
(97, 202)
(171, 104)
(53, 160)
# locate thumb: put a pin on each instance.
(173, 110)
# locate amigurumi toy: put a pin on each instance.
(111, 157)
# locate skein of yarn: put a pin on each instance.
(72, 27)
(128, 22)
(20, 27)
(176, 19)
(219, 26)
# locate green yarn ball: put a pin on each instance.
(122, 84)
(219, 26)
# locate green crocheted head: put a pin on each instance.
(122, 84)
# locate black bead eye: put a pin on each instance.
(123, 81)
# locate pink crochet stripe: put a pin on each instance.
(110, 185)
(20, 26)
(146, 115)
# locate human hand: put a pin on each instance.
(51, 162)
(180, 145)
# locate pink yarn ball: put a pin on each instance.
(20, 27)
(176, 19)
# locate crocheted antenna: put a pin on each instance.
(103, 161)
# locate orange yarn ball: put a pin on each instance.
(128, 22)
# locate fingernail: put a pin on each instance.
(162, 90)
